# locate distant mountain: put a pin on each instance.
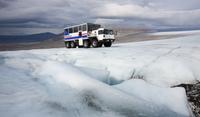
(26, 38)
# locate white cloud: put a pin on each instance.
(133, 11)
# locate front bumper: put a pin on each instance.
(108, 40)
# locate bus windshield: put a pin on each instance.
(106, 31)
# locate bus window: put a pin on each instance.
(75, 29)
(90, 27)
(70, 30)
(84, 27)
(66, 32)
(100, 32)
(80, 28)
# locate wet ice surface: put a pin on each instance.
(126, 80)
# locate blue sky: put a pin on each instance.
(34, 16)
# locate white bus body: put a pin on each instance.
(86, 35)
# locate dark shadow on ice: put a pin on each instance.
(89, 98)
(56, 106)
(2, 59)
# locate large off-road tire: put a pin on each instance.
(73, 44)
(67, 44)
(86, 44)
(94, 43)
(108, 44)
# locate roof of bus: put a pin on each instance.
(79, 25)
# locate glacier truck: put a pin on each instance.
(87, 35)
